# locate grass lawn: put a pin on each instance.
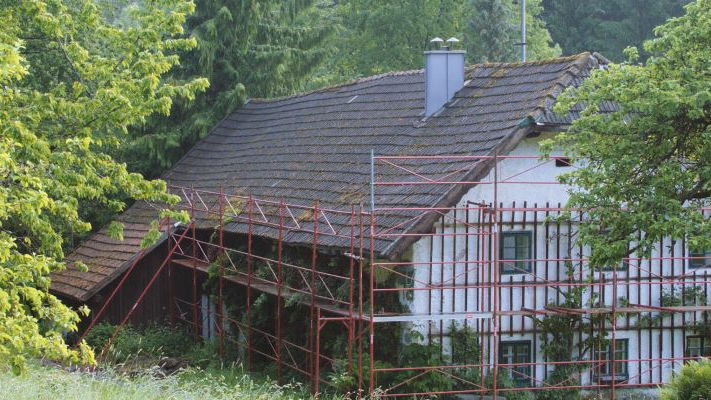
(52, 383)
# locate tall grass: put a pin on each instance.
(51, 383)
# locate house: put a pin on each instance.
(406, 202)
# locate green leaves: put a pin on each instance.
(692, 382)
(72, 82)
(264, 47)
(646, 171)
(115, 230)
(606, 26)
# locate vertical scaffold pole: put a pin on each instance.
(614, 332)
(221, 283)
(171, 289)
(194, 263)
(371, 323)
(312, 290)
(495, 279)
(351, 265)
(317, 355)
(280, 282)
(372, 180)
(360, 302)
(250, 205)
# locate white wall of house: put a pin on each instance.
(444, 264)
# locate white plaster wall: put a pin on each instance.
(443, 265)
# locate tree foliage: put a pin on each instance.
(377, 37)
(606, 26)
(493, 32)
(693, 382)
(255, 48)
(71, 83)
(491, 37)
(646, 167)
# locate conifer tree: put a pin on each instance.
(246, 48)
(493, 31)
(376, 36)
(490, 34)
(607, 26)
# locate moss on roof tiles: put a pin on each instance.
(317, 146)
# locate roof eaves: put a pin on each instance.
(115, 273)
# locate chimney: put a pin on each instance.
(444, 75)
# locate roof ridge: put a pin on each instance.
(339, 85)
(546, 61)
(419, 71)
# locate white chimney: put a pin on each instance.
(444, 75)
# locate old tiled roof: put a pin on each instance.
(316, 147)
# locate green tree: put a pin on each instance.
(71, 83)
(493, 32)
(490, 35)
(606, 26)
(375, 37)
(540, 44)
(382, 36)
(645, 167)
(253, 48)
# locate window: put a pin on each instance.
(698, 346)
(606, 355)
(699, 259)
(516, 252)
(622, 266)
(517, 352)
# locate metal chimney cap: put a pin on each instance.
(437, 40)
(452, 40)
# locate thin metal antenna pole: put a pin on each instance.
(523, 30)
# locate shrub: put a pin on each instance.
(153, 340)
(99, 335)
(692, 383)
(504, 381)
(563, 375)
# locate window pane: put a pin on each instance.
(697, 346)
(522, 252)
(509, 253)
(603, 357)
(509, 240)
(523, 240)
(621, 355)
(699, 258)
(517, 353)
(516, 251)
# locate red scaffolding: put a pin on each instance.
(457, 276)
